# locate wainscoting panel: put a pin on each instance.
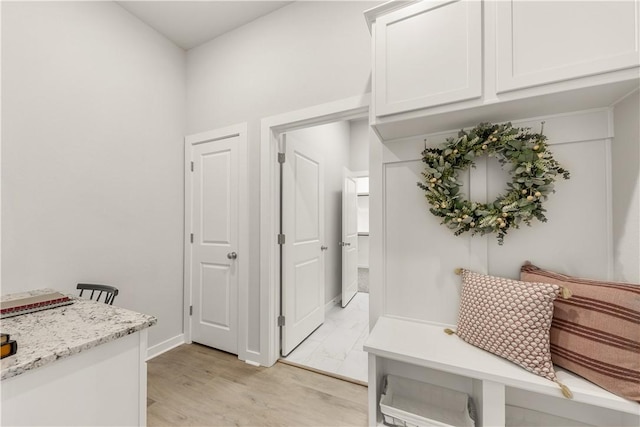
(420, 254)
(575, 240)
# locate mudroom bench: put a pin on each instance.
(502, 392)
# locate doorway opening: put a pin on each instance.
(275, 131)
(328, 313)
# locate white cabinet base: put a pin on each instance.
(106, 385)
(425, 353)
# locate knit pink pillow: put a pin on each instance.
(509, 318)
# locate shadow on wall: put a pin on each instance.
(625, 153)
(363, 279)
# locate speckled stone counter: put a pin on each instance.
(49, 335)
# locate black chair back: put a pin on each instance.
(109, 292)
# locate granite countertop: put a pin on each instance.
(46, 336)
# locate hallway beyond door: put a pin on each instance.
(336, 346)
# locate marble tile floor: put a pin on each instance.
(336, 346)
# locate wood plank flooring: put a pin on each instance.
(194, 385)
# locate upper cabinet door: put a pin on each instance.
(427, 54)
(542, 42)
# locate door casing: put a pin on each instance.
(271, 129)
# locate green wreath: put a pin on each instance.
(533, 169)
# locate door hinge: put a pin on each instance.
(191, 166)
(190, 310)
(280, 320)
(191, 237)
(281, 239)
(281, 157)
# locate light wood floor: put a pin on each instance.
(194, 385)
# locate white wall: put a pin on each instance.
(625, 153)
(359, 151)
(304, 54)
(93, 114)
(332, 142)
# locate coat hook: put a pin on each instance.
(542, 128)
(425, 143)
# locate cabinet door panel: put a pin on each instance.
(428, 54)
(542, 42)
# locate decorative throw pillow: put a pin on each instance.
(596, 333)
(509, 318)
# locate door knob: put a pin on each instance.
(232, 255)
(324, 248)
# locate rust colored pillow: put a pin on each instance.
(596, 333)
(509, 318)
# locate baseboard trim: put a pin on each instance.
(334, 301)
(164, 346)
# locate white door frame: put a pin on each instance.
(239, 130)
(271, 129)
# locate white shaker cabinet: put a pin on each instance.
(541, 42)
(442, 65)
(427, 54)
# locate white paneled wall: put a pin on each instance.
(420, 254)
(576, 239)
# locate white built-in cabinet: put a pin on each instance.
(421, 61)
(439, 66)
(415, 293)
(546, 42)
(503, 394)
(508, 59)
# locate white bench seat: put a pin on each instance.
(427, 345)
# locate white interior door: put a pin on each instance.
(215, 251)
(349, 241)
(302, 255)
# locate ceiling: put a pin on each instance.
(191, 23)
